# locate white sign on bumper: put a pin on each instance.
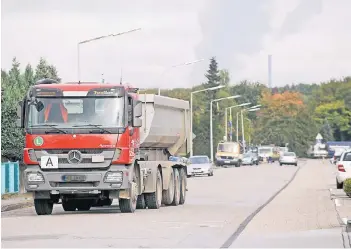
(49, 162)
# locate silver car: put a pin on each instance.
(199, 165)
(288, 158)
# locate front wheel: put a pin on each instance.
(43, 206)
(129, 205)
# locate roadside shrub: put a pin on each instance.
(347, 186)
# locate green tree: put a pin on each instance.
(44, 70)
(224, 77)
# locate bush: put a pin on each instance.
(347, 186)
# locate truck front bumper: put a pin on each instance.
(74, 181)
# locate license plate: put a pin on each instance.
(226, 161)
(73, 178)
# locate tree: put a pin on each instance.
(224, 77)
(44, 70)
(213, 77)
(29, 75)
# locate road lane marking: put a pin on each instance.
(337, 202)
(248, 219)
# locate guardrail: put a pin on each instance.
(10, 177)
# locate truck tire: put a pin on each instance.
(168, 194)
(83, 205)
(154, 200)
(176, 198)
(69, 206)
(141, 202)
(43, 206)
(183, 184)
(129, 205)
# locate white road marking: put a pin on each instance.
(344, 220)
(337, 202)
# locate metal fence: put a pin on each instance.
(10, 177)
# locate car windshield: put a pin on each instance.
(226, 147)
(199, 160)
(247, 155)
(289, 154)
(77, 112)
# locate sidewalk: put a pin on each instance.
(303, 215)
(15, 201)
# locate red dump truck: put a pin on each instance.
(89, 143)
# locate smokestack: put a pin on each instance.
(270, 71)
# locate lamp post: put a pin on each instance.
(178, 65)
(191, 112)
(251, 109)
(95, 39)
(211, 121)
(230, 114)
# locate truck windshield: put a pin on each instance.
(77, 111)
(226, 148)
(265, 150)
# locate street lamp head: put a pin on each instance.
(253, 110)
(253, 107)
(215, 87)
(244, 104)
(193, 62)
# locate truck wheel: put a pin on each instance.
(154, 200)
(141, 202)
(108, 202)
(83, 205)
(182, 175)
(176, 198)
(43, 206)
(168, 194)
(68, 206)
(129, 205)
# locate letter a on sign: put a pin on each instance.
(49, 163)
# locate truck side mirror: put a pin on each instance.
(137, 112)
(20, 118)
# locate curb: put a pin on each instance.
(15, 206)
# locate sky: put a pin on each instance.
(310, 40)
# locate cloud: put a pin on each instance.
(309, 40)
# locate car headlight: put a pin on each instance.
(114, 177)
(35, 177)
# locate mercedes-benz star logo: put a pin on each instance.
(74, 156)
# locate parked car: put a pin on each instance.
(250, 159)
(343, 168)
(337, 155)
(288, 158)
(199, 165)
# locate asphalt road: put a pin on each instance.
(211, 217)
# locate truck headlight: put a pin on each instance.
(114, 177)
(35, 177)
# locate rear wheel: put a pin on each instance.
(168, 194)
(141, 202)
(176, 198)
(281, 164)
(182, 175)
(43, 206)
(339, 185)
(69, 206)
(154, 200)
(84, 205)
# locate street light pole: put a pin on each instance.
(178, 65)
(94, 39)
(211, 119)
(191, 112)
(230, 109)
(251, 109)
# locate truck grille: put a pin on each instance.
(227, 157)
(83, 151)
